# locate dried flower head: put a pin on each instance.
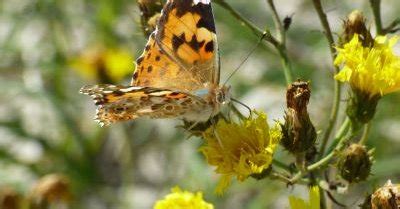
(355, 163)
(240, 149)
(386, 197)
(179, 199)
(299, 134)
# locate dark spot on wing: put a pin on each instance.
(139, 60)
(210, 46)
(158, 58)
(194, 44)
(177, 41)
(149, 69)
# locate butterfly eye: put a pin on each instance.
(220, 97)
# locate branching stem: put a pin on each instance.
(337, 91)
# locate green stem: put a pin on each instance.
(365, 134)
(257, 31)
(277, 21)
(287, 67)
(337, 90)
(376, 9)
(341, 138)
(280, 165)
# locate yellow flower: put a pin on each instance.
(105, 65)
(314, 203)
(240, 149)
(179, 199)
(370, 70)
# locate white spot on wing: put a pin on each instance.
(131, 89)
(201, 1)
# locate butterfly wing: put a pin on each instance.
(121, 103)
(181, 53)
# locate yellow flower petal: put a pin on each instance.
(314, 202)
(240, 149)
(373, 70)
(179, 199)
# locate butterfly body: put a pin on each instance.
(177, 76)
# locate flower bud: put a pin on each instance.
(149, 14)
(50, 189)
(299, 133)
(386, 197)
(355, 163)
(9, 199)
(355, 24)
(361, 107)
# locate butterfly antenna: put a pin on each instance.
(247, 57)
(241, 103)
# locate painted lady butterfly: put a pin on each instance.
(177, 76)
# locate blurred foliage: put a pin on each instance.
(46, 126)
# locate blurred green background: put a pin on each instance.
(50, 48)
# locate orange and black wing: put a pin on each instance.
(181, 53)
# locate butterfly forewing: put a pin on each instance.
(186, 39)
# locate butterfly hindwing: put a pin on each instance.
(121, 103)
(183, 48)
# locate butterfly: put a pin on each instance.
(177, 75)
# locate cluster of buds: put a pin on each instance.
(299, 134)
(149, 14)
(355, 163)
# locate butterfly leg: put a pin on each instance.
(216, 133)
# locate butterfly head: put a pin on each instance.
(222, 95)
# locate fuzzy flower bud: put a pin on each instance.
(50, 189)
(355, 25)
(299, 133)
(386, 197)
(149, 14)
(355, 163)
(9, 199)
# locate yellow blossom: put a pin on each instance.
(240, 149)
(370, 70)
(179, 199)
(313, 203)
(105, 65)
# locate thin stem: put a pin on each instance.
(341, 138)
(337, 90)
(287, 67)
(376, 9)
(281, 47)
(277, 21)
(365, 133)
(257, 31)
(280, 165)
